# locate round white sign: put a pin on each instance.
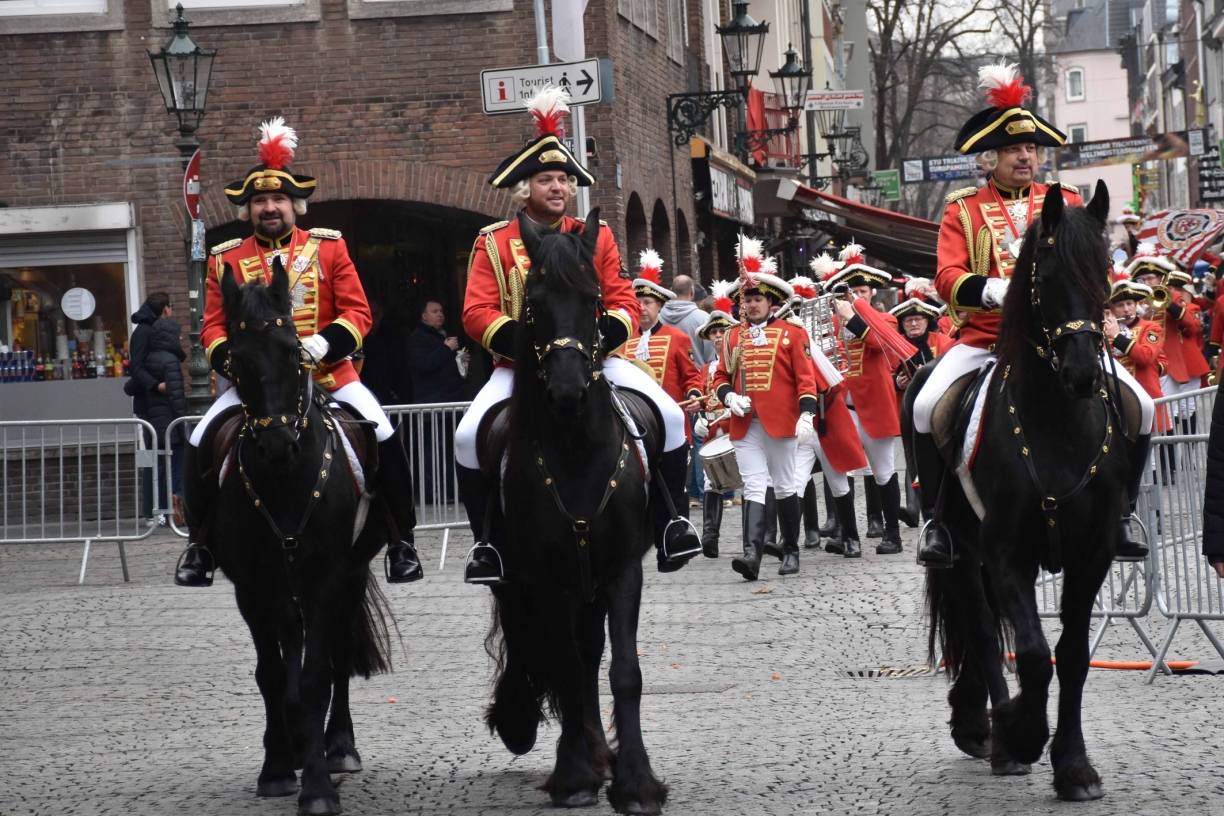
(78, 304)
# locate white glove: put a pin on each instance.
(805, 428)
(994, 292)
(701, 427)
(739, 404)
(315, 347)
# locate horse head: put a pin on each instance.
(1059, 291)
(561, 305)
(265, 362)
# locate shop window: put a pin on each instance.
(54, 16)
(1075, 85)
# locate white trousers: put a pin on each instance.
(355, 394)
(806, 454)
(962, 358)
(762, 458)
(881, 453)
(1182, 408)
(621, 373)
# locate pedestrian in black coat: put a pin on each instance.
(168, 399)
(431, 359)
(142, 381)
(1213, 495)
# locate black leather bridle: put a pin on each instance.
(1050, 336)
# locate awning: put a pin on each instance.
(903, 241)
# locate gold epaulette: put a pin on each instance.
(225, 246)
(324, 232)
(957, 195)
(495, 226)
(583, 221)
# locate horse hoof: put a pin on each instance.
(319, 806)
(282, 786)
(1010, 767)
(581, 798)
(343, 763)
(641, 809)
(976, 748)
(1081, 793)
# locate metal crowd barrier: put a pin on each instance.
(427, 433)
(81, 480)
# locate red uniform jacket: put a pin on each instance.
(717, 417)
(873, 395)
(671, 361)
(1183, 340)
(778, 375)
(326, 293)
(973, 240)
(497, 272)
(1141, 354)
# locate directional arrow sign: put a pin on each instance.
(506, 90)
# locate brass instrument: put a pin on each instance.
(816, 315)
(1160, 296)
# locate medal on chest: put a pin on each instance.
(756, 334)
(1019, 212)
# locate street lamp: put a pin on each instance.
(792, 81)
(183, 70)
(743, 39)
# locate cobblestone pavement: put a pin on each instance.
(140, 699)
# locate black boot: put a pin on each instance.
(749, 564)
(875, 510)
(195, 567)
(675, 537)
(835, 545)
(811, 521)
(890, 497)
(1128, 549)
(771, 524)
(829, 528)
(788, 525)
(711, 523)
(851, 548)
(935, 543)
(401, 562)
(484, 565)
(910, 514)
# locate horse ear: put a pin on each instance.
(531, 235)
(231, 294)
(590, 235)
(1052, 209)
(280, 284)
(1098, 207)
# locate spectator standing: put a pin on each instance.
(167, 401)
(142, 381)
(682, 313)
(433, 361)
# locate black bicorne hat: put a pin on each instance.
(1006, 121)
(277, 143)
(547, 151)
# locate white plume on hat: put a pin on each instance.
(998, 75)
(822, 265)
(917, 285)
(769, 265)
(650, 259)
(721, 288)
(849, 251)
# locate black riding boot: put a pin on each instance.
(484, 565)
(711, 522)
(836, 544)
(749, 564)
(910, 513)
(851, 548)
(675, 537)
(829, 528)
(890, 497)
(195, 567)
(771, 524)
(1128, 549)
(811, 516)
(935, 545)
(401, 562)
(875, 510)
(788, 526)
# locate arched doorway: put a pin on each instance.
(635, 231)
(684, 247)
(661, 238)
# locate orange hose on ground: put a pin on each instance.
(1129, 665)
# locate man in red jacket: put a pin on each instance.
(979, 243)
(331, 315)
(543, 177)
(1135, 342)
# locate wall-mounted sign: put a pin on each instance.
(78, 304)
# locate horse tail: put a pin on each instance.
(520, 674)
(958, 600)
(369, 633)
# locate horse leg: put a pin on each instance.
(635, 789)
(1020, 727)
(318, 796)
(1074, 777)
(340, 744)
(591, 641)
(276, 777)
(515, 710)
(574, 781)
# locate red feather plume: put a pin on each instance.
(1004, 86)
(277, 143)
(723, 304)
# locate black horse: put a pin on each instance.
(576, 527)
(283, 533)
(1051, 477)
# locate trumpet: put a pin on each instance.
(1160, 296)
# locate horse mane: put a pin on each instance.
(1081, 260)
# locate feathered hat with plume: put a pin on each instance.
(1129, 216)
(1148, 261)
(720, 316)
(649, 281)
(855, 271)
(916, 306)
(277, 144)
(823, 267)
(759, 273)
(1126, 289)
(1006, 121)
(546, 150)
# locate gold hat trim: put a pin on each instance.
(526, 154)
(1002, 118)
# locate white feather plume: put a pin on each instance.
(769, 265)
(748, 247)
(849, 251)
(917, 285)
(822, 265)
(801, 280)
(276, 126)
(1145, 248)
(722, 288)
(549, 100)
(997, 76)
(649, 259)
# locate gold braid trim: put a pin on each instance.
(980, 257)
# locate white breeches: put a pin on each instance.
(961, 359)
(881, 453)
(806, 454)
(1170, 387)
(621, 373)
(764, 459)
(355, 394)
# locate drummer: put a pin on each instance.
(711, 422)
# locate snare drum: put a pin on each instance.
(718, 461)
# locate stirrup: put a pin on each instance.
(945, 564)
(683, 553)
(484, 579)
(1146, 542)
(207, 575)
